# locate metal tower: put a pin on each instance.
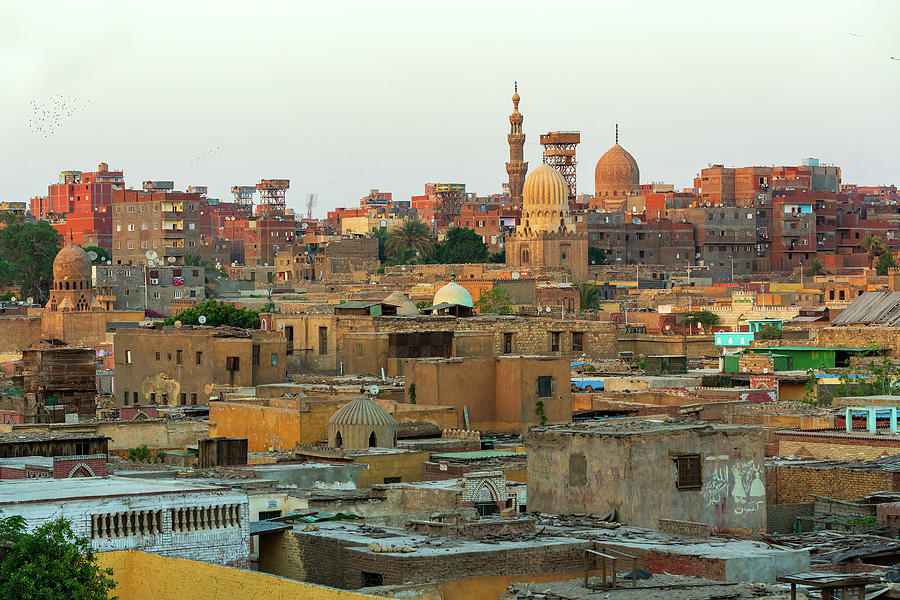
(559, 153)
(271, 196)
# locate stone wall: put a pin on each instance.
(18, 332)
(780, 518)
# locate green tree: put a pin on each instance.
(27, 250)
(769, 332)
(703, 317)
(195, 260)
(382, 236)
(217, 313)
(412, 239)
(139, 454)
(50, 563)
(596, 256)
(461, 245)
(815, 267)
(588, 295)
(885, 263)
(495, 300)
(497, 257)
(102, 254)
(874, 246)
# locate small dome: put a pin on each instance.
(72, 263)
(453, 293)
(616, 174)
(362, 411)
(405, 306)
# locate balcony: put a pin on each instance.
(173, 233)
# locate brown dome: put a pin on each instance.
(72, 264)
(616, 174)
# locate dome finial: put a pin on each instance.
(452, 276)
(617, 133)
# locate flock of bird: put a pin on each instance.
(204, 156)
(49, 113)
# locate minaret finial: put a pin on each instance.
(617, 133)
(516, 86)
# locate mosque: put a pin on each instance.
(546, 235)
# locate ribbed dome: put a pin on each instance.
(362, 411)
(616, 174)
(453, 293)
(72, 263)
(545, 203)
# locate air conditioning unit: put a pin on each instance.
(154, 281)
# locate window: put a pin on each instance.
(269, 514)
(131, 227)
(182, 399)
(233, 363)
(193, 398)
(323, 341)
(134, 397)
(153, 397)
(372, 579)
(554, 341)
(577, 341)
(274, 360)
(688, 475)
(544, 386)
(289, 336)
(507, 343)
(157, 356)
(255, 362)
(393, 479)
(82, 448)
(128, 357)
(178, 357)
(199, 357)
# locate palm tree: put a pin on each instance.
(588, 295)
(815, 267)
(874, 246)
(413, 235)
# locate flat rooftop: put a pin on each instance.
(55, 490)
(617, 427)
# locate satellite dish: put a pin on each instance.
(92, 255)
(171, 259)
(151, 254)
(281, 325)
(547, 309)
(13, 299)
(201, 319)
(178, 324)
(515, 275)
(109, 262)
(30, 300)
(150, 263)
(373, 389)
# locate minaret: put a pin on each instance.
(516, 168)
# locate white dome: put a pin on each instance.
(453, 293)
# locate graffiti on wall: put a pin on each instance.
(742, 481)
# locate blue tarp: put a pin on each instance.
(581, 384)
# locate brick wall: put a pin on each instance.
(75, 466)
(787, 484)
(780, 518)
(836, 446)
(684, 528)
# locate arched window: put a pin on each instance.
(67, 285)
(525, 256)
(373, 440)
(338, 440)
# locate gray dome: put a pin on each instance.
(362, 411)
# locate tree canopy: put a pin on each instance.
(217, 313)
(411, 242)
(49, 563)
(461, 245)
(815, 267)
(704, 317)
(27, 250)
(495, 300)
(596, 256)
(885, 263)
(588, 295)
(102, 254)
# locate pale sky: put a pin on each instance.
(344, 96)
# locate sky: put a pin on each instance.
(342, 97)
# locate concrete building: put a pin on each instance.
(135, 287)
(164, 222)
(508, 393)
(648, 472)
(170, 518)
(546, 235)
(178, 366)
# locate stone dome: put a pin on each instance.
(71, 264)
(453, 293)
(405, 306)
(362, 423)
(616, 174)
(545, 202)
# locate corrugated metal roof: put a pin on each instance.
(881, 308)
(475, 454)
